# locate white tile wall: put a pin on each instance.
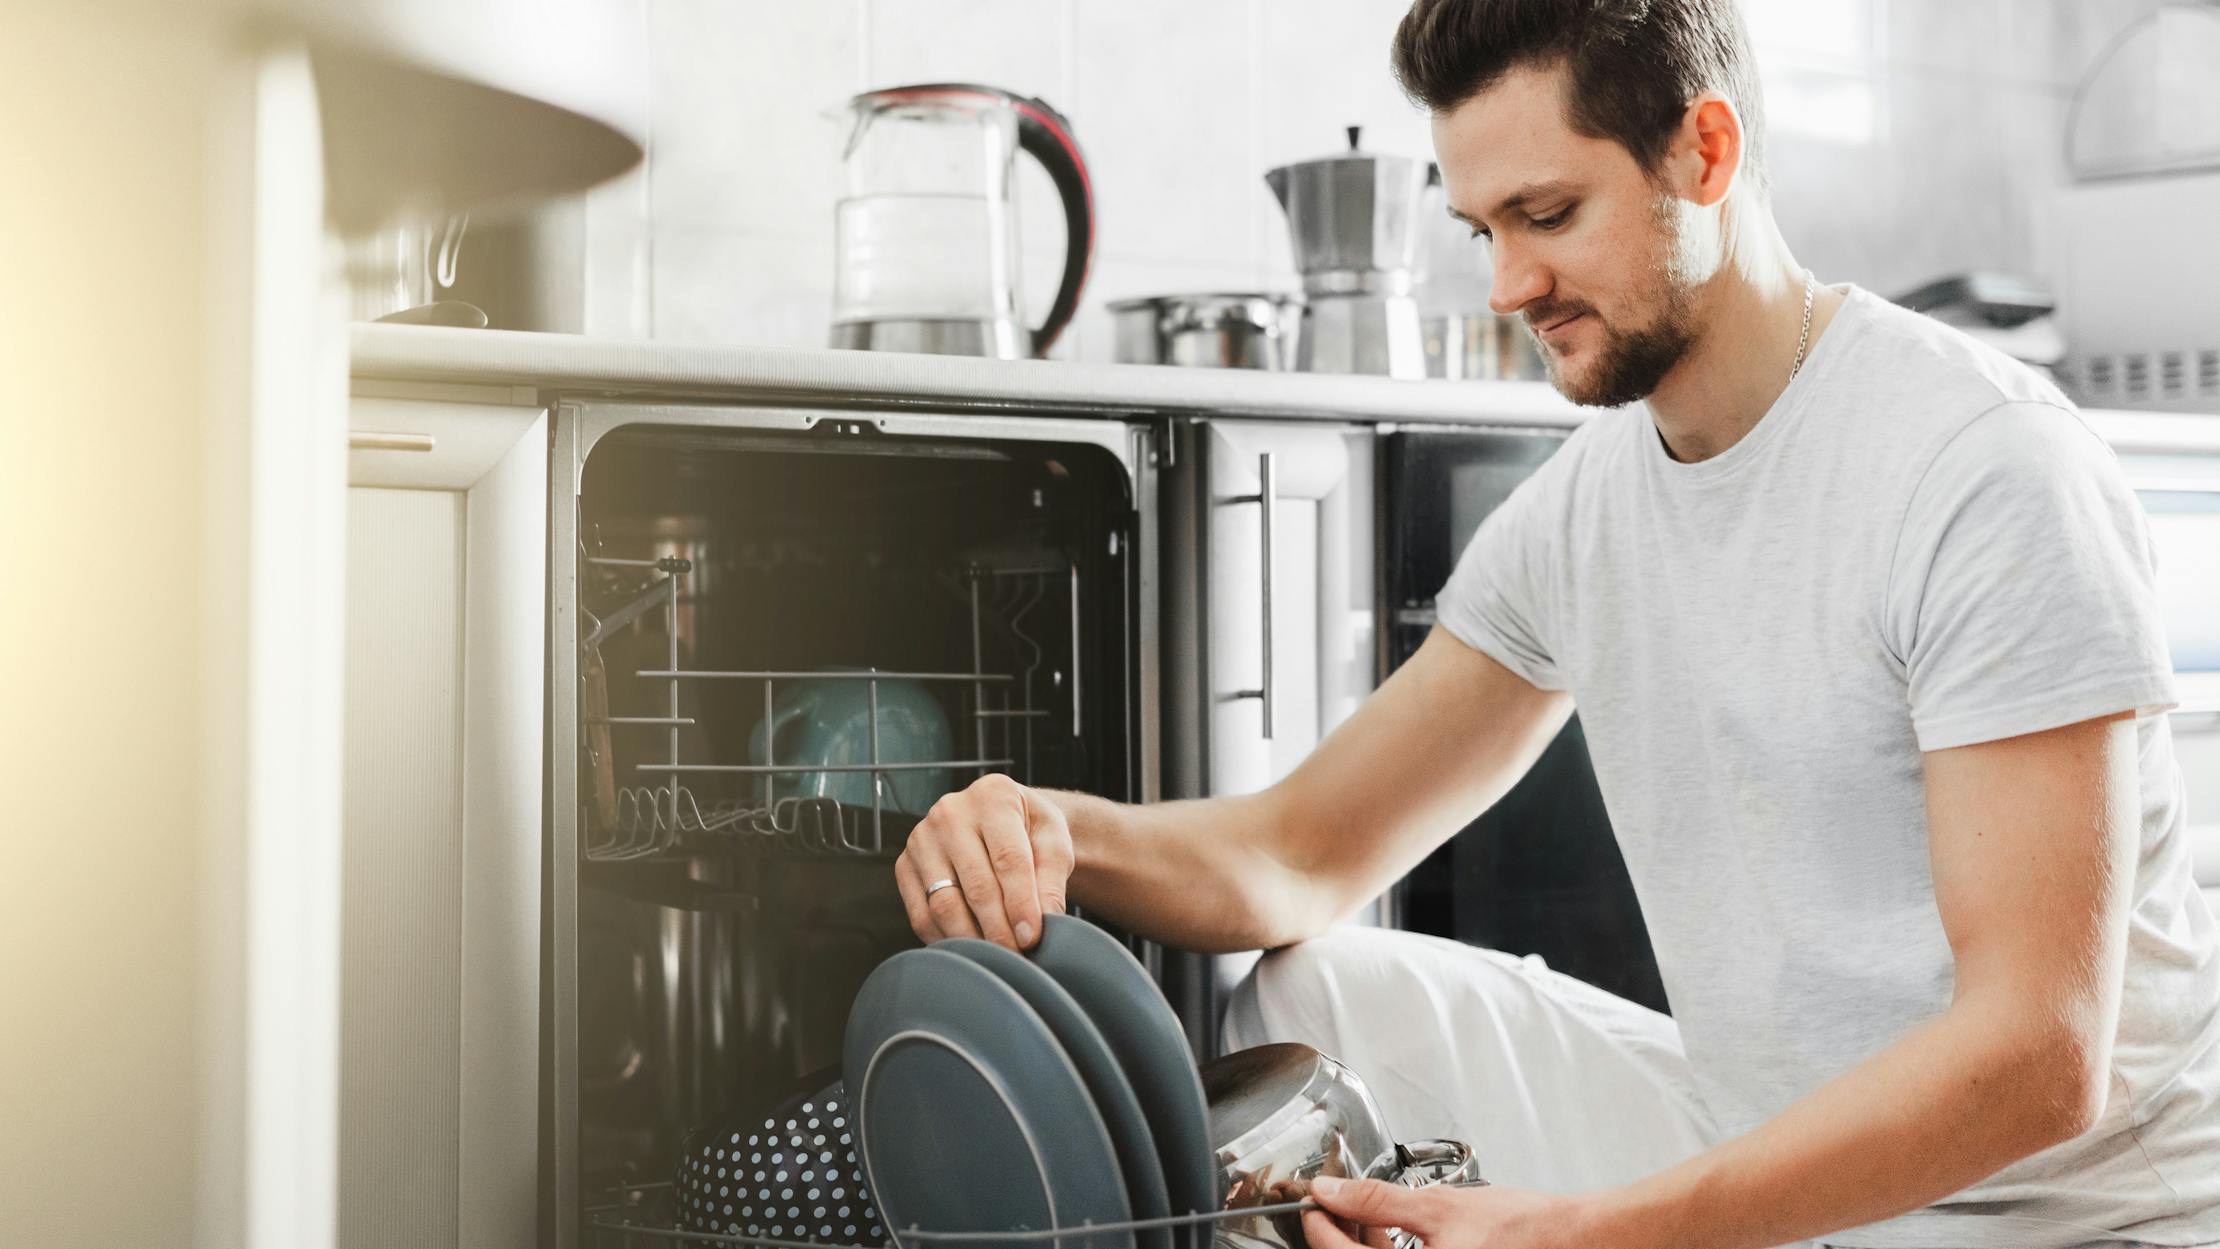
(1911, 138)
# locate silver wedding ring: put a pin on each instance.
(937, 886)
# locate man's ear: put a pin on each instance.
(1707, 150)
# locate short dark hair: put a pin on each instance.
(1632, 65)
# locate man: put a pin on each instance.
(1858, 617)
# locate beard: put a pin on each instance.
(1632, 360)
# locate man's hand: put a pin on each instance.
(1008, 849)
(1444, 1217)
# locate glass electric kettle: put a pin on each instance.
(926, 237)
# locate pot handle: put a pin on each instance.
(1419, 1164)
(1046, 136)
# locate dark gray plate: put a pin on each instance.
(1145, 1036)
(1084, 1044)
(971, 1117)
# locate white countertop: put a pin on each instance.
(573, 363)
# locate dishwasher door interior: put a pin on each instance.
(778, 636)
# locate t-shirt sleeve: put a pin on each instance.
(2021, 597)
(1496, 600)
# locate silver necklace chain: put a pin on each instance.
(1803, 340)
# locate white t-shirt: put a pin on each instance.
(1920, 546)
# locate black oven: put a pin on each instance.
(1540, 872)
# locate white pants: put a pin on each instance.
(1556, 1084)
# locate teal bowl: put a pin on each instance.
(823, 721)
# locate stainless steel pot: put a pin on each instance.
(1287, 1112)
(1283, 1115)
(1219, 329)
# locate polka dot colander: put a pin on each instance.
(793, 1176)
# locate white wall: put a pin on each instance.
(1910, 139)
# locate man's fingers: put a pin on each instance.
(951, 914)
(1322, 1232)
(1373, 1203)
(980, 889)
(913, 900)
(1009, 852)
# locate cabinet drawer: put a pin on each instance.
(414, 444)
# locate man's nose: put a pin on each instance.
(1517, 281)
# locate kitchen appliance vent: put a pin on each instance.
(2173, 376)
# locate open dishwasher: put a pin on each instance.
(777, 636)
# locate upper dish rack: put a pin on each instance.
(666, 817)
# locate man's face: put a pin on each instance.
(1588, 247)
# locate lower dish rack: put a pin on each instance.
(645, 1217)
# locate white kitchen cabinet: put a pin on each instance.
(1291, 650)
(1269, 626)
(440, 867)
(1263, 659)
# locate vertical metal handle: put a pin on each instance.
(1075, 664)
(1267, 496)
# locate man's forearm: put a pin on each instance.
(1953, 1102)
(1192, 873)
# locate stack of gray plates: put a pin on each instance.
(997, 1091)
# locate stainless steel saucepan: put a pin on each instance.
(1228, 330)
(1282, 1115)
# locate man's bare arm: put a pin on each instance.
(1445, 736)
(2033, 841)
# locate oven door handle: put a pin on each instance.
(1266, 496)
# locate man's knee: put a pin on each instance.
(1316, 990)
(1363, 960)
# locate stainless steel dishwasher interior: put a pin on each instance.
(730, 903)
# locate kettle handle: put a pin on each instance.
(1046, 136)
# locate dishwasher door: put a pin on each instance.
(871, 462)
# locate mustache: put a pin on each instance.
(1538, 316)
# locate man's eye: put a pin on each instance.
(1554, 220)
(1481, 232)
